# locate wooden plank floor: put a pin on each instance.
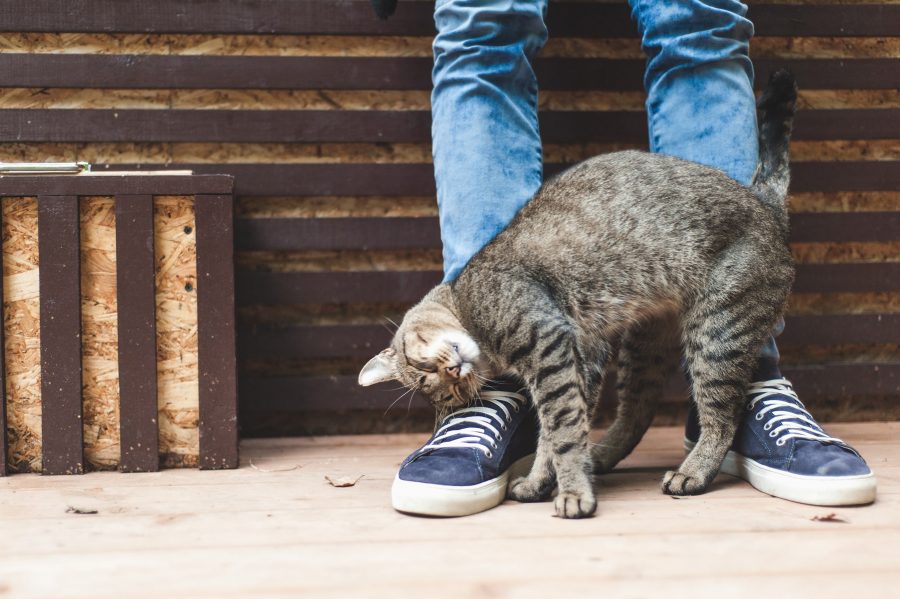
(255, 532)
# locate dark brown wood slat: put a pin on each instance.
(216, 332)
(387, 233)
(365, 340)
(304, 72)
(105, 184)
(839, 227)
(318, 393)
(312, 179)
(311, 341)
(335, 126)
(412, 18)
(60, 294)
(285, 234)
(845, 380)
(835, 329)
(418, 179)
(838, 278)
(845, 176)
(135, 274)
(373, 179)
(813, 19)
(284, 288)
(202, 72)
(333, 287)
(272, 126)
(847, 124)
(341, 392)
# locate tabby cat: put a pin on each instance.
(650, 250)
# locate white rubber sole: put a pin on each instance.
(814, 490)
(445, 500)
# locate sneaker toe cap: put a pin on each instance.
(443, 470)
(816, 459)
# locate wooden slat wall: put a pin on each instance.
(321, 111)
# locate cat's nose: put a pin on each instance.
(453, 371)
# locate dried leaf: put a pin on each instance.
(831, 517)
(343, 481)
(80, 510)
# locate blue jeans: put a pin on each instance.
(486, 142)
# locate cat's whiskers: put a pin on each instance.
(411, 390)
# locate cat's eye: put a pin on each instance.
(423, 366)
(455, 347)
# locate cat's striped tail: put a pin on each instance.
(778, 104)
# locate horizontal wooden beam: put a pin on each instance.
(365, 340)
(372, 179)
(840, 278)
(134, 183)
(287, 288)
(401, 233)
(355, 17)
(839, 227)
(341, 392)
(336, 126)
(314, 72)
(417, 179)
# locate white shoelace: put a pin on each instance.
(797, 423)
(493, 415)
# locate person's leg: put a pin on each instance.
(701, 107)
(700, 103)
(486, 144)
(487, 164)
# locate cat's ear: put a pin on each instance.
(382, 367)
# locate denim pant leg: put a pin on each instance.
(486, 144)
(700, 101)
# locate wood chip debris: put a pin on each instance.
(831, 517)
(80, 510)
(255, 467)
(342, 481)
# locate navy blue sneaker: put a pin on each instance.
(782, 451)
(465, 467)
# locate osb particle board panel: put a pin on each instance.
(21, 321)
(178, 375)
(99, 332)
(176, 306)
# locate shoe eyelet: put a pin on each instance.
(517, 409)
(498, 436)
(759, 416)
(773, 434)
(494, 446)
(767, 426)
(503, 427)
(780, 442)
(489, 455)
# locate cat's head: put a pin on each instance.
(432, 353)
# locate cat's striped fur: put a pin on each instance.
(651, 250)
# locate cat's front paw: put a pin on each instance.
(575, 504)
(526, 490)
(676, 483)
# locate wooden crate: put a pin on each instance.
(118, 338)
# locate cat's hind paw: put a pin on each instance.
(676, 483)
(575, 505)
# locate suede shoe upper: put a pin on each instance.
(777, 431)
(475, 444)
